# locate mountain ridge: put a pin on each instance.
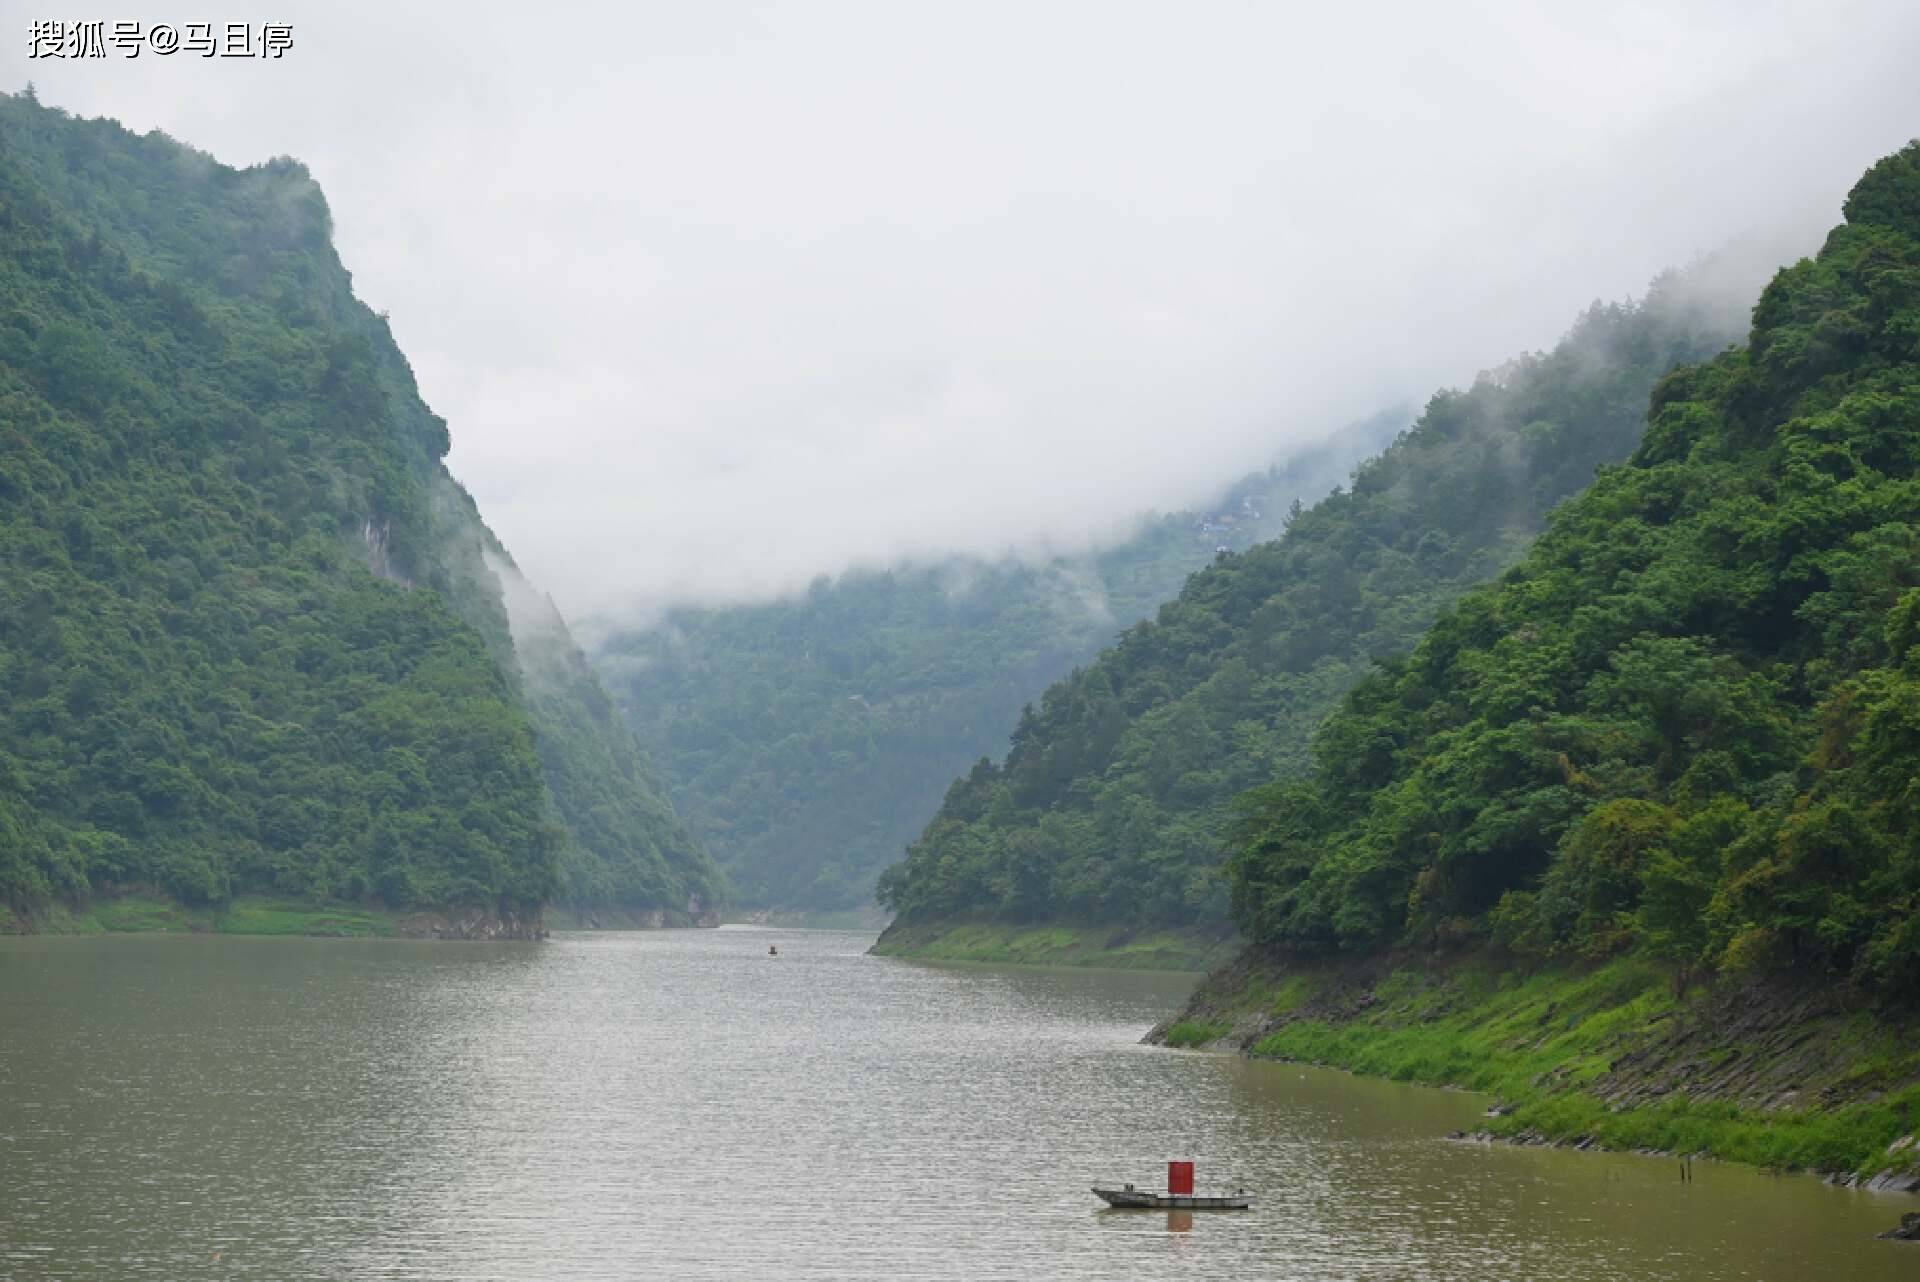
(1631, 837)
(807, 739)
(1113, 802)
(251, 644)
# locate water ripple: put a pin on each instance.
(681, 1105)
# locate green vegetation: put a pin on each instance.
(628, 852)
(1630, 841)
(259, 917)
(807, 741)
(1064, 944)
(149, 914)
(1686, 725)
(1189, 1033)
(1113, 803)
(250, 639)
(1487, 1030)
(1601, 1054)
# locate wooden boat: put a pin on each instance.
(1178, 1197)
(1130, 1198)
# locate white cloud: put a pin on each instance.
(719, 297)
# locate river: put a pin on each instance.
(681, 1105)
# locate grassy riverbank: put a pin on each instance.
(1776, 1075)
(247, 916)
(151, 913)
(1055, 944)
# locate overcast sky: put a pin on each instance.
(717, 297)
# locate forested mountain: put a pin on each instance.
(1688, 722)
(253, 637)
(1114, 799)
(806, 741)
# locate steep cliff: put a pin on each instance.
(251, 642)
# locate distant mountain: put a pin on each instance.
(1115, 799)
(254, 639)
(806, 741)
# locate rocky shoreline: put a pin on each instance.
(559, 918)
(472, 923)
(1908, 1229)
(146, 911)
(1882, 1182)
(1778, 1073)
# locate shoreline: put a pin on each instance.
(871, 919)
(1884, 1182)
(147, 913)
(1773, 1075)
(1094, 946)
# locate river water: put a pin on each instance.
(681, 1105)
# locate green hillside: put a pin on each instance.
(1687, 724)
(806, 741)
(1113, 802)
(250, 639)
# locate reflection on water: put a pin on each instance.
(682, 1105)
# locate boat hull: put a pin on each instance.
(1144, 1200)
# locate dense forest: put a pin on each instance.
(253, 638)
(1115, 798)
(1688, 722)
(806, 741)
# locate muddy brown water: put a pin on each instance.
(681, 1105)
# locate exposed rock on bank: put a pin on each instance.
(630, 919)
(1781, 1073)
(1909, 1230)
(473, 923)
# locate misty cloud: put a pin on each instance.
(717, 298)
